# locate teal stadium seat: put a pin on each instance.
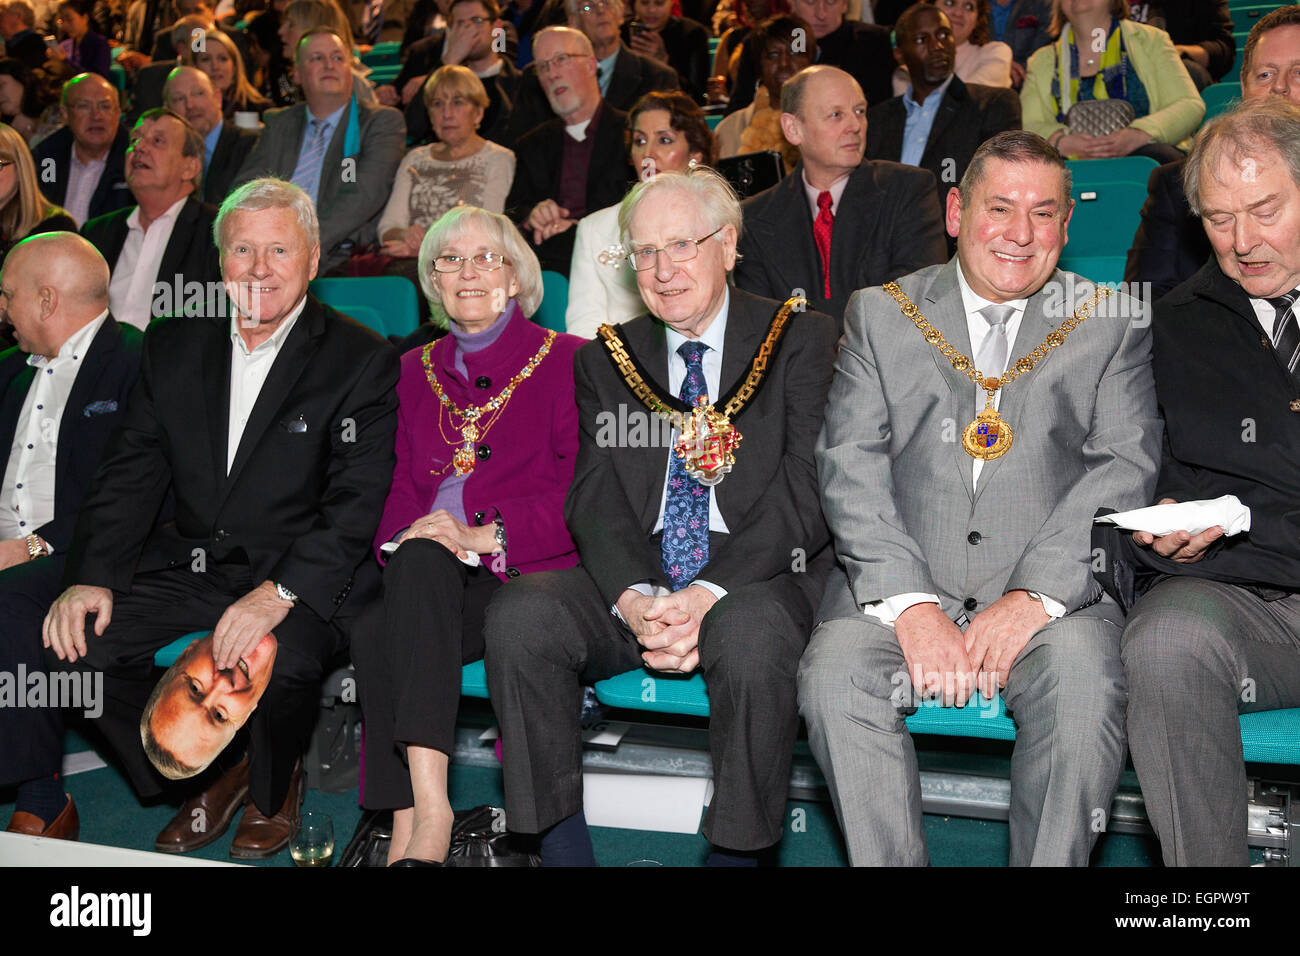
(555, 301)
(714, 120)
(1267, 737)
(1121, 169)
(1246, 15)
(1106, 215)
(166, 657)
(1219, 97)
(1103, 269)
(387, 304)
(117, 73)
(383, 54)
(473, 681)
(386, 73)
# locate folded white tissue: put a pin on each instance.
(1191, 516)
(471, 557)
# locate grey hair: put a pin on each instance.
(708, 191)
(1268, 122)
(1013, 146)
(572, 7)
(501, 233)
(579, 37)
(269, 193)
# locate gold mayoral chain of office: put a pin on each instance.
(708, 440)
(989, 436)
(477, 420)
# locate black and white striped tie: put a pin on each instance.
(1286, 333)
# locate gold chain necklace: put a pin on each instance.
(470, 418)
(989, 436)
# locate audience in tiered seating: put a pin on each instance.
(476, 81)
(838, 223)
(83, 165)
(757, 127)
(166, 238)
(190, 93)
(669, 134)
(74, 366)
(490, 509)
(1138, 66)
(460, 169)
(1170, 244)
(940, 121)
(574, 163)
(342, 150)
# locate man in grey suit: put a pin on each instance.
(939, 530)
(343, 152)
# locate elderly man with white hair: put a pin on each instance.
(710, 555)
(272, 424)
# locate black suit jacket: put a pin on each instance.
(1170, 244)
(308, 483)
(968, 115)
(190, 253)
(888, 225)
(147, 90)
(1229, 430)
(112, 191)
(769, 501)
(1207, 23)
(233, 146)
(860, 49)
(634, 76)
(539, 177)
(95, 406)
(687, 45)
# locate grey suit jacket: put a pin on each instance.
(897, 485)
(353, 190)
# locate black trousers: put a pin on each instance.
(164, 605)
(31, 738)
(551, 632)
(408, 650)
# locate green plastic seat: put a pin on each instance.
(117, 73)
(386, 73)
(387, 304)
(643, 690)
(1219, 97)
(1271, 736)
(1102, 269)
(1120, 169)
(383, 54)
(473, 681)
(555, 301)
(1106, 215)
(166, 656)
(1245, 16)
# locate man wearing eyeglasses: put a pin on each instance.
(470, 40)
(691, 561)
(576, 162)
(82, 165)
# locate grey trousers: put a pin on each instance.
(1066, 692)
(1197, 654)
(550, 632)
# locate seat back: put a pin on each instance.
(387, 304)
(555, 301)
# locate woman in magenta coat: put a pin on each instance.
(486, 438)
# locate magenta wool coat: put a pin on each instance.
(525, 473)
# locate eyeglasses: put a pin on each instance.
(597, 5)
(557, 62)
(483, 261)
(681, 250)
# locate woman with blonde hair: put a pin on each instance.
(24, 210)
(461, 168)
(224, 64)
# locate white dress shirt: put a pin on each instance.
(1266, 314)
(83, 179)
(248, 372)
(130, 291)
(888, 610)
(27, 495)
(836, 191)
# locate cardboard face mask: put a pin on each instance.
(195, 710)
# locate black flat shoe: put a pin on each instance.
(412, 861)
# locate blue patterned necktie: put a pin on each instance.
(686, 511)
(306, 175)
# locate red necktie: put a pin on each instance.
(822, 227)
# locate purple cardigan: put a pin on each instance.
(532, 445)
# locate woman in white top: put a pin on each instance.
(462, 168)
(979, 60)
(668, 133)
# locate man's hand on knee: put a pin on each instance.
(936, 654)
(246, 622)
(64, 629)
(999, 633)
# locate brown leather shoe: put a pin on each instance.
(258, 836)
(66, 826)
(202, 819)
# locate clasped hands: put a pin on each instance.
(1120, 143)
(547, 219)
(668, 627)
(948, 665)
(453, 534)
